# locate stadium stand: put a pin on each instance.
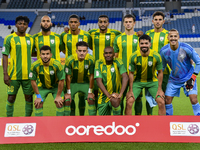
(26, 4)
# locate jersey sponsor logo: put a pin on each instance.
(41, 42)
(86, 66)
(107, 37)
(124, 41)
(139, 63)
(30, 74)
(18, 43)
(69, 41)
(161, 38)
(51, 72)
(80, 40)
(135, 40)
(52, 41)
(104, 71)
(3, 49)
(66, 70)
(97, 73)
(28, 42)
(150, 63)
(112, 69)
(100, 130)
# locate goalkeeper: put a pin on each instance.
(178, 56)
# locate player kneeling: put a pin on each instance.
(108, 75)
(143, 64)
(77, 68)
(51, 80)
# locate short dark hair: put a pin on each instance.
(74, 16)
(45, 48)
(145, 37)
(81, 43)
(24, 18)
(173, 30)
(129, 16)
(103, 16)
(159, 13)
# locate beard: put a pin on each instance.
(46, 29)
(144, 51)
(45, 61)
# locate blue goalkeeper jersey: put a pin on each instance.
(179, 62)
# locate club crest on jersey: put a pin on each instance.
(28, 42)
(161, 38)
(66, 70)
(52, 41)
(51, 72)
(112, 69)
(107, 37)
(150, 63)
(86, 66)
(135, 40)
(80, 40)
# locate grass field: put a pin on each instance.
(182, 106)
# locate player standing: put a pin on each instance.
(70, 39)
(108, 75)
(19, 45)
(51, 80)
(142, 69)
(47, 37)
(178, 55)
(77, 67)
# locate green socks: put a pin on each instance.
(9, 109)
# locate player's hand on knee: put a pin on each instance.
(68, 96)
(160, 93)
(115, 95)
(129, 95)
(190, 83)
(7, 79)
(90, 98)
(58, 101)
(37, 102)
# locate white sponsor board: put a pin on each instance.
(20, 129)
(185, 128)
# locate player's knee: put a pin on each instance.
(168, 100)
(67, 103)
(29, 98)
(129, 102)
(194, 100)
(11, 98)
(161, 102)
(115, 102)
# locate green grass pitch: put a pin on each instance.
(182, 106)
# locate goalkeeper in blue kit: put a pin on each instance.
(178, 56)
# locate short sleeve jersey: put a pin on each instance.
(145, 68)
(48, 76)
(20, 50)
(79, 69)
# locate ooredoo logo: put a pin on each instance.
(100, 130)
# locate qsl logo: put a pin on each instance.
(100, 130)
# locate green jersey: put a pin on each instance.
(145, 68)
(20, 50)
(79, 69)
(101, 40)
(53, 41)
(111, 77)
(48, 76)
(125, 45)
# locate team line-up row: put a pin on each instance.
(122, 65)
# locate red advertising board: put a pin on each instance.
(100, 129)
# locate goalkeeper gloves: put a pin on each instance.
(190, 83)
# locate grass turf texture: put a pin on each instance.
(182, 106)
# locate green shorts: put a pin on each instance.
(79, 87)
(15, 85)
(152, 87)
(44, 92)
(105, 108)
(165, 81)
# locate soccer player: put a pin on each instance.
(143, 66)
(70, 39)
(77, 67)
(47, 37)
(126, 44)
(158, 40)
(178, 55)
(108, 75)
(51, 80)
(19, 45)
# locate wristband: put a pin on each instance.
(90, 90)
(69, 91)
(39, 96)
(193, 77)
